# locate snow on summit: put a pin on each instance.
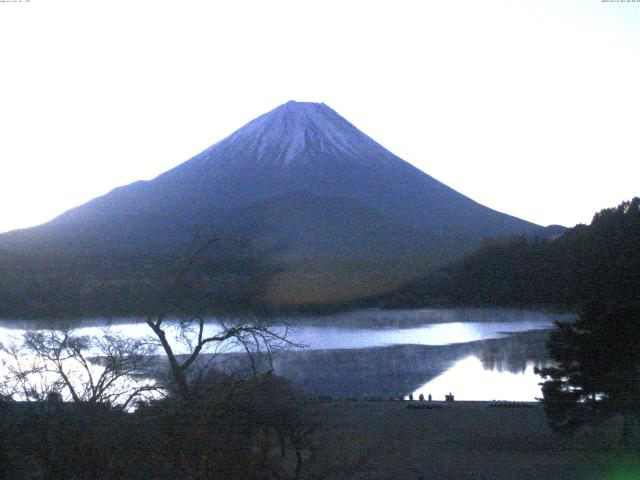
(287, 132)
(295, 126)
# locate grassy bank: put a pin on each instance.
(466, 440)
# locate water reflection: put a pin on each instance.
(402, 369)
(320, 338)
(469, 379)
(349, 360)
(438, 334)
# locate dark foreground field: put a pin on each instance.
(468, 440)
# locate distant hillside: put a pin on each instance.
(333, 214)
(600, 261)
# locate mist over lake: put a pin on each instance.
(390, 352)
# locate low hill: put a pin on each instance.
(600, 261)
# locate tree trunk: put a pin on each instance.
(296, 475)
(176, 370)
(281, 441)
(627, 427)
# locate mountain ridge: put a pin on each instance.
(372, 209)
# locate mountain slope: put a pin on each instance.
(300, 178)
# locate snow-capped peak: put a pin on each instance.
(289, 130)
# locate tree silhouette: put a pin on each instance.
(189, 286)
(90, 369)
(586, 262)
(598, 369)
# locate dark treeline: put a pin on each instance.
(229, 429)
(587, 262)
(66, 284)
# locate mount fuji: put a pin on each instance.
(342, 216)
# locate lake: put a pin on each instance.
(477, 354)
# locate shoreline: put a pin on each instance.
(467, 440)
(369, 317)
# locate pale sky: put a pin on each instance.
(530, 107)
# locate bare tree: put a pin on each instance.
(252, 336)
(184, 341)
(81, 368)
